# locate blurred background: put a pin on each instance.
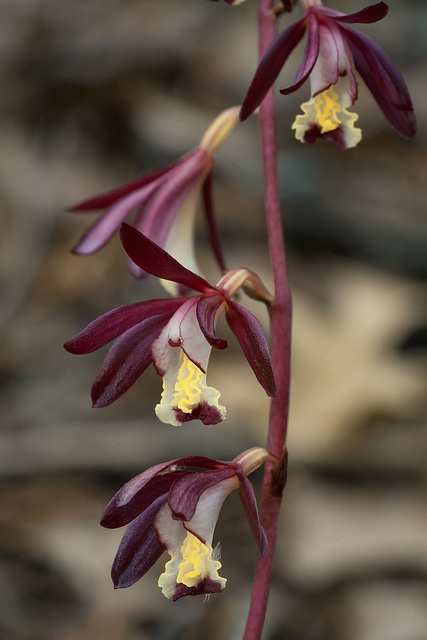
(95, 93)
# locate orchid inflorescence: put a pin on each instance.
(174, 505)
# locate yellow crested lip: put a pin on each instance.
(326, 113)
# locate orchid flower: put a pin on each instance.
(174, 506)
(166, 202)
(333, 53)
(175, 334)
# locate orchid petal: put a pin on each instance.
(332, 55)
(270, 66)
(310, 56)
(157, 218)
(248, 500)
(139, 549)
(126, 361)
(107, 224)
(211, 222)
(137, 494)
(384, 82)
(253, 342)
(108, 198)
(185, 493)
(207, 308)
(110, 325)
(117, 514)
(373, 13)
(153, 259)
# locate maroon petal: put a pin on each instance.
(160, 212)
(247, 497)
(271, 65)
(253, 342)
(206, 309)
(139, 549)
(310, 56)
(117, 514)
(370, 14)
(153, 259)
(126, 361)
(211, 222)
(383, 80)
(128, 502)
(108, 198)
(185, 493)
(108, 223)
(110, 325)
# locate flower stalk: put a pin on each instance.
(280, 318)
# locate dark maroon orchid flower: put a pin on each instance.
(176, 335)
(174, 507)
(166, 202)
(333, 53)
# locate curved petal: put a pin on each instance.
(270, 66)
(253, 342)
(310, 56)
(185, 493)
(137, 494)
(211, 222)
(153, 259)
(126, 361)
(373, 13)
(206, 309)
(108, 198)
(107, 224)
(111, 324)
(117, 515)
(384, 82)
(139, 549)
(162, 208)
(248, 500)
(327, 69)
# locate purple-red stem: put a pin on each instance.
(280, 317)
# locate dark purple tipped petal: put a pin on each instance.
(373, 13)
(137, 494)
(271, 65)
(117, 514)
(253, 342)
(206, 309)
(153, 259)
(110, 325)
(186, 491)
(310, 56)
(139, 548)
(211, 222)
(383, 80)
(126, 361)
(247, 497)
